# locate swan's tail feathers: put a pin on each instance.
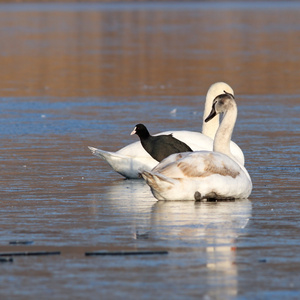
(104, 154)
(120, 163)
(158, 182)
(99, 152)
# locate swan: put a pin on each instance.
(130, 160)
(204, 174)
(160, 146)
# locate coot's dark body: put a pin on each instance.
(160, 146)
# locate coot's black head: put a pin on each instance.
(141, 131)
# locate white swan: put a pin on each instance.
(204, 174)
(132, 159)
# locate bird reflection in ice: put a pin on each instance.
(203, 234)
(198, 223)
(206, 233)
(201, 222)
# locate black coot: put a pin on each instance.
(160, 146)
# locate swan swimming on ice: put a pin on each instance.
(204, 174)
(130, 160)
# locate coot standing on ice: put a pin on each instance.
(161, 146)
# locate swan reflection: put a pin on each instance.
(208, 231)
(205, 223)
(200, 235)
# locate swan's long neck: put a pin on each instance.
(224, 133)
(210, 128)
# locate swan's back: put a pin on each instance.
(197, 164)
(198, 175)
(195, 140)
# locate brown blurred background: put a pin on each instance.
(94, 51)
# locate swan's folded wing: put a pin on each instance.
(198, 164)
(127, 166)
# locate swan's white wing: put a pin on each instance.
(127, 166)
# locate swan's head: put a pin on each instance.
(217, 89)
(214, 90)
(221, 104)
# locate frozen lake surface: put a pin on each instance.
(78, 75)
